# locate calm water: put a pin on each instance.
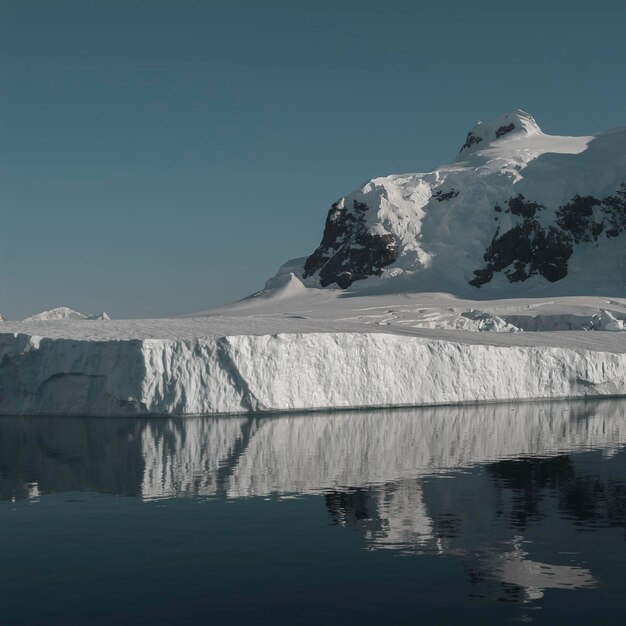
(480, 515)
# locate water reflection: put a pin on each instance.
(254, 456)
(502, 488)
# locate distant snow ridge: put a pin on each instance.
(482, 321)
(64, 313)
(517, 211)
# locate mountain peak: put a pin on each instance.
(516, 122)
(517, 206)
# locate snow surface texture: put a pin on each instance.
(518, 212)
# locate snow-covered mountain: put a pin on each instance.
(518, 211)
(64, 313)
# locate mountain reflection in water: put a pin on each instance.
(523, 495)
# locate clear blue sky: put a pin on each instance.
(163, 156)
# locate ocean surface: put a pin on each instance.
(491, 514)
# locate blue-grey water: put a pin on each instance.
(459, 515)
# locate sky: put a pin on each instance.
(160, 157)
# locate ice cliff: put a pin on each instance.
(193, 368)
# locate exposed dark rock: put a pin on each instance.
(503, 130)
(482, 277)
(344, 279)
(577, 218)
(448, 195)
(585, 222)
(529, 249)
(522, 207)
(471, 140)
(338, 223)
(614, 208)
(348, 250)
(552, 250)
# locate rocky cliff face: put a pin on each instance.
(349, 251)
(530, 249)
(518, 210)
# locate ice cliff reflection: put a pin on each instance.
(522, 495)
